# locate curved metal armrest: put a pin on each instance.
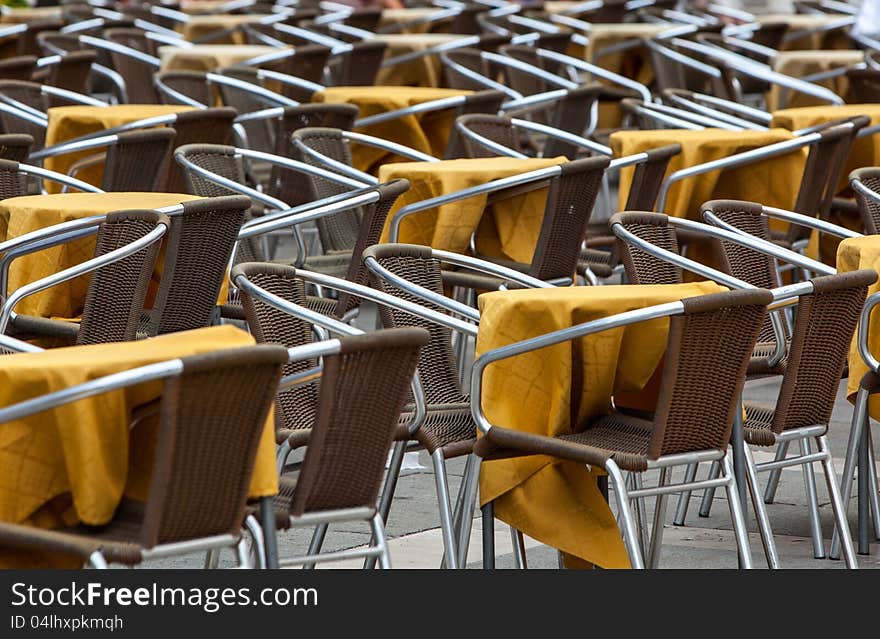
(864, 330)
(72, 96)
(73, 146)
(60, 178)
(424, 107)
(18, 346)
(524, 67)
(489, 187)
(736, 160)
(799, 34)
(158, 120)
(718, 115)
(599, 72)
(464, 41)
(864, 191)
(296, 165)
(492, 145)
(792, 218)
(75, 271)
(175, 95)
(38, 120)
(251, 88)
(121, 49)
(480, 79)
(745, 110)
(391, 147)
(291, 80)
(696, 118)
(334, 44)
(490, 268)
(565, 136)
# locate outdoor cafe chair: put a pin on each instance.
(72, 71)
(219, 436)
(15, 146)
(20, 67)
(364, 382)
(865, 183)
(826, 316)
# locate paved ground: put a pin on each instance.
(701, 543)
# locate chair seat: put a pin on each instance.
(600, 262)
(449, 427)
(759, 362)
(30, 326)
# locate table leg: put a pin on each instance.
(267, 514)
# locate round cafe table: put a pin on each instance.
(207, 57)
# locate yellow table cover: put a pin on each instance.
(427, 133)
(207, 57)
(554, 390)
(836, 39)
(21, 215)
(29, 14)
(510, 230)
(75, 463)
(802, 63)
(68, 122)
(633, 63)
(426, 71)
(395, 16)
(854, 254)
(200, 26)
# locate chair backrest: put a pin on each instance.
(338, 232)
(294, 187)
(192, 84)
(18, 68)
(437, 367)
(363, 391)
(260, 134)
(823, 330)
(197, 251)
(28, 93)
(116, 292)
(308, 63)
(468, 58)
(213, 126)
(864, 86)
(571, 113)
(138, 161)
(488, 102)
(648, 178)
(497, 128)
(295, 408)
(642, 267)
(569, 206)
(869, 208)
(211, 419)
(358, 66)
(72, 72)
(707, 353)
(138, 75)
(520, 81)
(15, 146)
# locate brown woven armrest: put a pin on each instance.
(32, 325)
(870, 382)
(502, 443)
(28, 538)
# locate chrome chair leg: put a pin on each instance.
(872, 485)
(519, 549)
(381, 542)
(387, 496)
(445, 508)
(684, 499)
(641, 516)
(837, 504)
(281, 454)
(736, 515)
(242, 555)
(212, 559)
(775, 474)
(653, 559)
(316, 543)
(488, 512)
(625, 515)
(859, 423)
(256, 533)
(709, 493)
(812, 503)
(759, 506)
(468, 500)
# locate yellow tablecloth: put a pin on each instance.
(512, 227)
(426, 71)
(427, 133)
(854, 254)
(633, 63)
(200, 26)
(30, 14)
(772, 182)
(797, 22)
(802, 63)
(22, 215)
(68, 122)
(207, 57)
(75, 463)
(394, 16)
(558, 502)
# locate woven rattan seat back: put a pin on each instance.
(138, 75)
(487, 102)
(823, 330)
(192, 84)
(642, 267)
(869, 208)
(748, 265)
(15, 146)
(569, 207)
(704, 369)
(307, 63)
(358, 66)
(363, 391)
(211, 419)
(295, 408)
(295, 187)
(27, 41)
(260, 133)
(21, 67)
(648, 178)
(521, 81)
(56, 43)
(215, 158)
(197, 251)
(116, 293)
(437, 366)
(366, 19)
(213, 126)
(823, 171)
(138, 161)
(572, 113)
(470, 59)
(496, 128)
(72, 73)
(12, 181)
(864, 86)
(27, 93)
(337, 232)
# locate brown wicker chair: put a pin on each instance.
(469, 58)
(198, 248)
(864, 86)
(28, 93)
(116, 293)
(190, 84)
(213, 125)
(364, 385)
(18, 68)
(866, 184)
(138, 75)
(358, 66)
(15, 146)
(703, 373)
(138, 161)
(211, 416)
(72, 72)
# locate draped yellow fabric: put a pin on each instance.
(21, 215)
(427, 133)
(425, 71)
(207, 57)
(85, 450)
(798, 64)
(68, 122)
(511, 228)
(554, 391)
(204, 26)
